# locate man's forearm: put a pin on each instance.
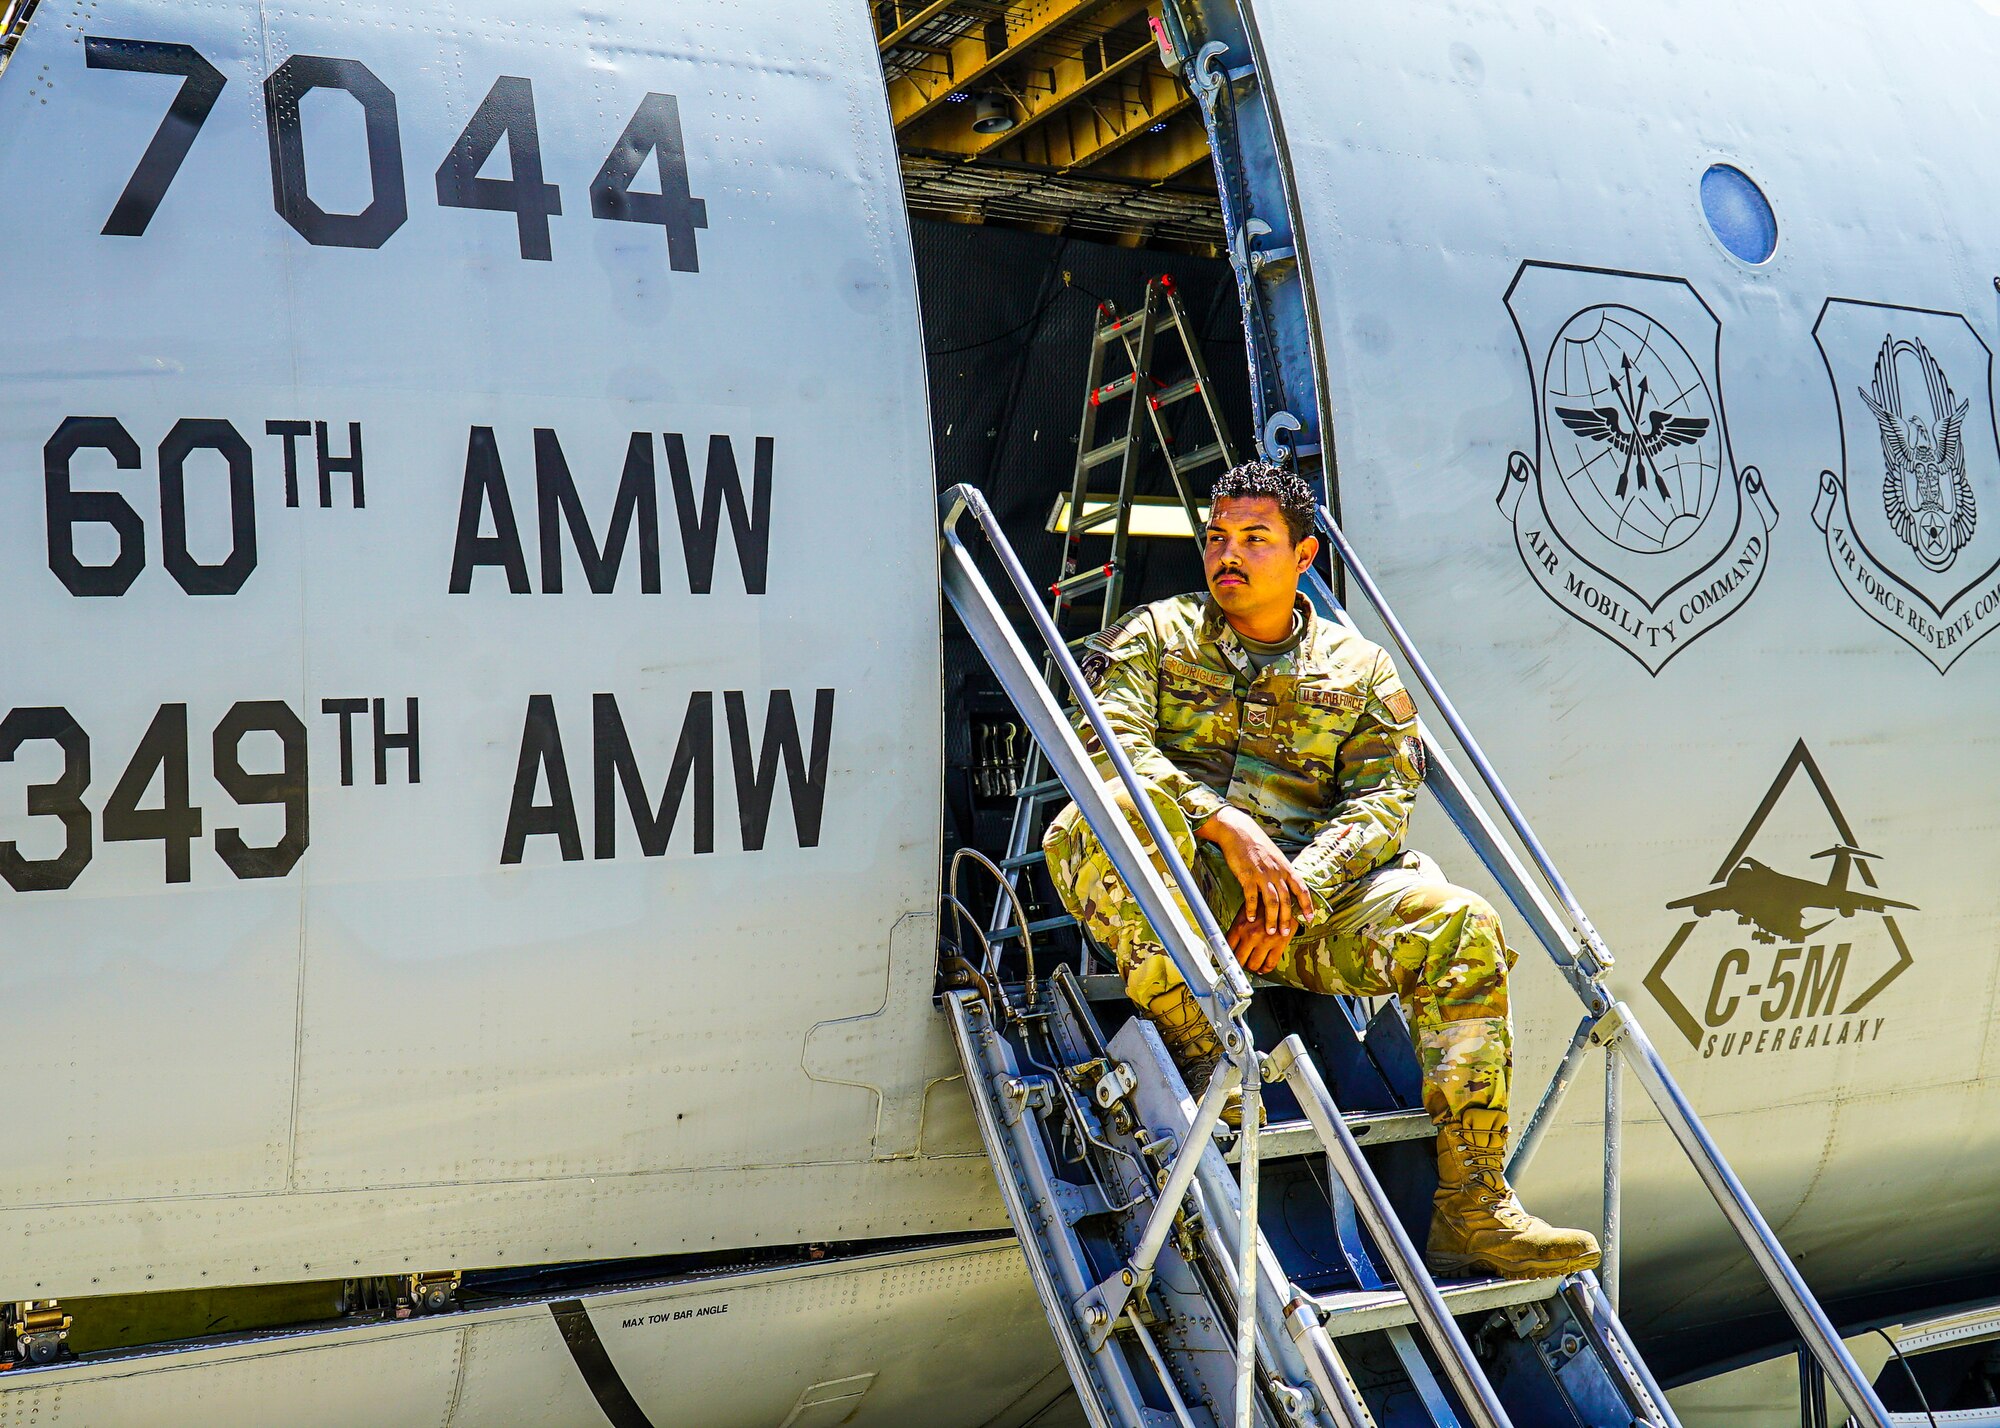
(1367, 833)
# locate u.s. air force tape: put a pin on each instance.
(1330, 698)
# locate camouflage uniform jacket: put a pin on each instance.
(1321, 748)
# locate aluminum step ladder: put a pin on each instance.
(1146, 367)
(1146, 1223)
(1128, 354)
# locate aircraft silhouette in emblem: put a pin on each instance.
(1775, 903)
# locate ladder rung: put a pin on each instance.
(1362, 1311)
(1200, 456)
(1114, 389)
(1179, 392)
(1108, 330)
(1083, 582)
(1110, 451)
(1047, 924)
(1044, 789)
(1025, 860)
(1287, 1140)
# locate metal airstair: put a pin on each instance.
(1196, 1277)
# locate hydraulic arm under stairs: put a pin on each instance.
(1146, 1223)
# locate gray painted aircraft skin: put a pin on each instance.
(393, 1003)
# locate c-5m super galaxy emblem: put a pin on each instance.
(1789, 949)
(1918, 449)
(1632, 515)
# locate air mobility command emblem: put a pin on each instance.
(1631, 515)
(1794, 939)
(1919, 454)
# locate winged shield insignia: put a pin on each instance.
(1631, 513)
(1639, 443)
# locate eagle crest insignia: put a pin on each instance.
(1925, 492)
(1919, 455)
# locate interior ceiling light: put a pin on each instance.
(1155, 516)
(992, 114)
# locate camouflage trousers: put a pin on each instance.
(1400, 929)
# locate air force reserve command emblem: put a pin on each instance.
(1631, 515)
(1920, 459)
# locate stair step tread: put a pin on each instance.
(1047, 924)
(1284, 1140)
(1361, 1311)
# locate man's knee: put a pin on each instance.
(1070, 839)
(1067, 835)
(1434, 903)
(1468, 953)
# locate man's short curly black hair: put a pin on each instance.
(1265, 478)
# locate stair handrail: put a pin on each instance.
(1608, 1022)
(1591, 953)
(1201, 952)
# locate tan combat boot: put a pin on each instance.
(1476, 1221)
(1164, 1000)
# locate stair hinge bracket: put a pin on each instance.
(34, 1331)
(1100, 1310)
(1608, 1030)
